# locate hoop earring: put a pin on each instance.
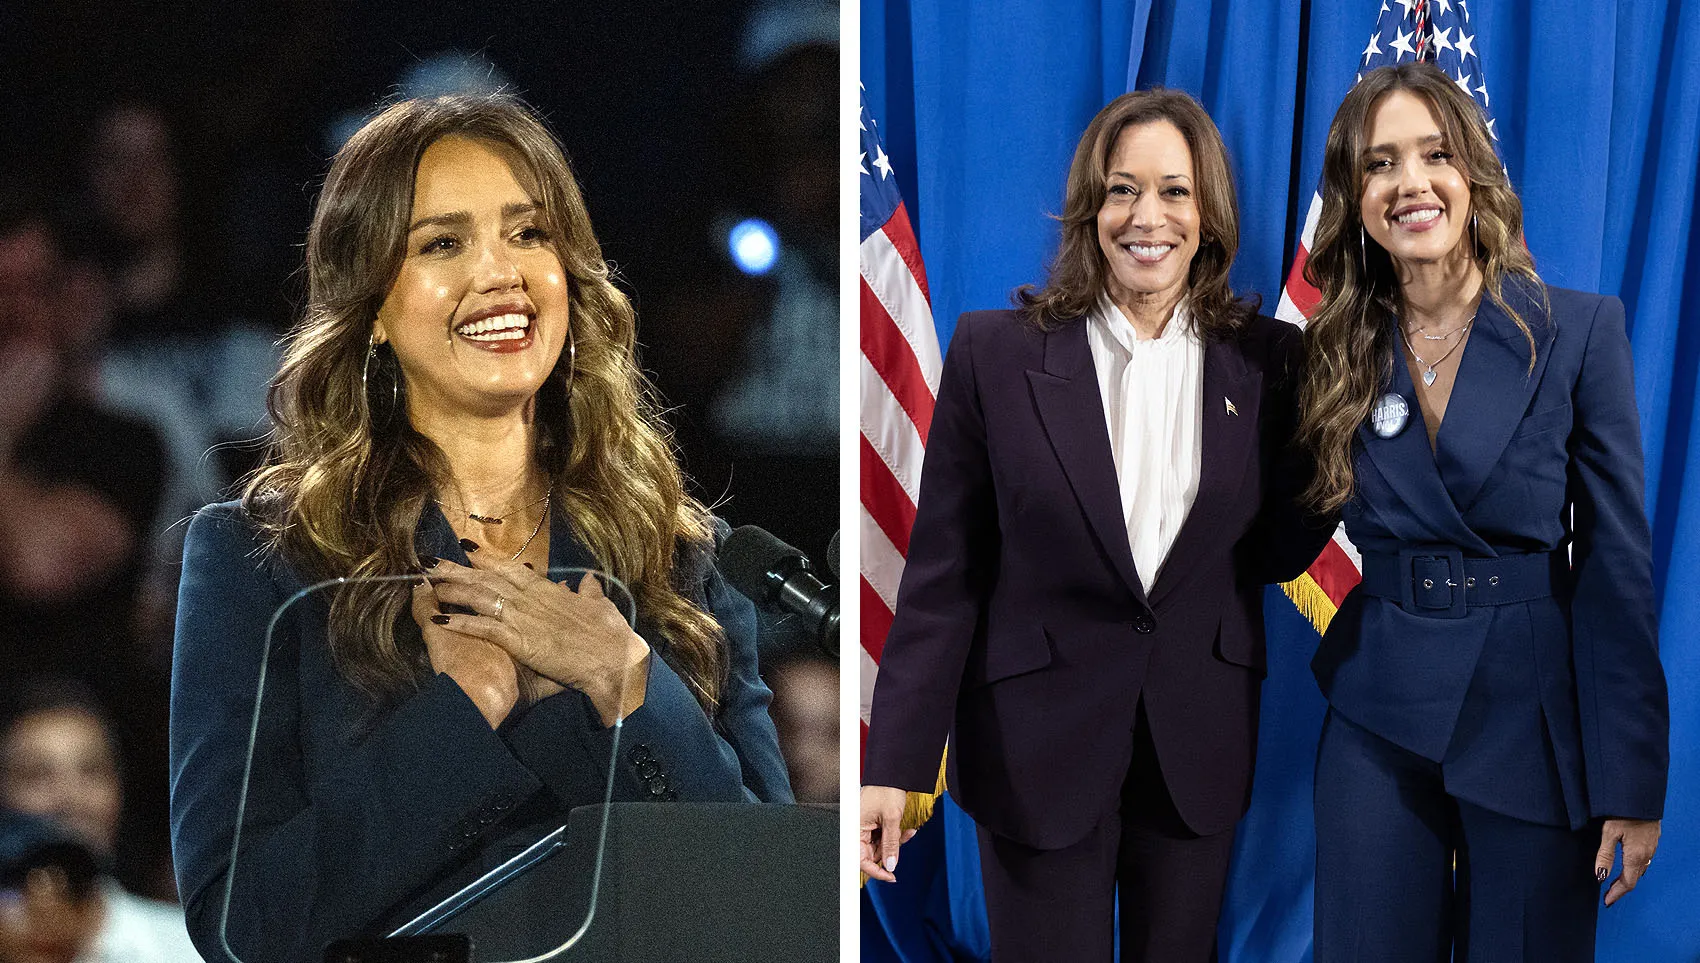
(1363, 248)
(572, 360)
(372, 343)
(371, 352)
(1475, 236)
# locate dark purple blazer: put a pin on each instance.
(1022, 628)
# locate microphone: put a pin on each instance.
(778, 577)
(832, 556)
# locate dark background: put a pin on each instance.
(674, 128)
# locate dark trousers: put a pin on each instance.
(1057, 905)
(1387, 835)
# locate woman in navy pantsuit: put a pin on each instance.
(460, 403)
(1497, 720)
(1106, 490)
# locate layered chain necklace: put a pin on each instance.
(499, 519)
(1429, 366)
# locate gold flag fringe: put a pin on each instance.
(919, 808)
(1311, 601)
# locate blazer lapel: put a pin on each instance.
(1407, 463)
(565, 549)
(1490, 396)
(436, 538)
(1072, 412)
(1227, 442)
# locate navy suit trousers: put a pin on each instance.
(1406, 873)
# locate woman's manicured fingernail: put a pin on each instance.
(891, 864)
(529, 565)
(440, 619)
(428, 561)
(1601, 874)
(469, 545)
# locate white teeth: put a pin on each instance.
(1418, 217)
(502, 327)
(1150, 250)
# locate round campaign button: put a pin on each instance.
(1390, 415)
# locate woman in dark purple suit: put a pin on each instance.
(1108, 484)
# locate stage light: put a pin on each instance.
(754, 246)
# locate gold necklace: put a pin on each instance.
(498, 519)
(540, 520)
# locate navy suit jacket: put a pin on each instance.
(358, 821)
(1553, 710)
(1021, 625)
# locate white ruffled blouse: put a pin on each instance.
(1153, 394)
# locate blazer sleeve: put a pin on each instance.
(1286, 537)
(953, 547)
(325, 857)
(1619, 680)
(669, 749)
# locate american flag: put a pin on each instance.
(899, 380)
(1438, 31)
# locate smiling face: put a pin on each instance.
(478, 313)
(1415, 201)
(1148, 226)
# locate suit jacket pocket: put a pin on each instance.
(1006, 653)
(1238, 643)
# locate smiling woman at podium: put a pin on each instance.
(459, 403)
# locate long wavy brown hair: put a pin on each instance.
(1350, 340)
(1075, 280)
(347, 478)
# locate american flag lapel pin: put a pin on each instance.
(1231, 409)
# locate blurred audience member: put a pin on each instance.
(80, 487)
(135, 190)
(59, 762)
(79, 484)
(50, 908)
(805, 711)
(168, 350)
(783, 402)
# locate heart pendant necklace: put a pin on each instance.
(1428, 366)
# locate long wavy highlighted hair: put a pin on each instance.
(1350, 346)
(1077, 274)
(347, 478)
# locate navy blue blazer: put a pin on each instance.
(1021, 624)
(1554, 709)
(358, 821)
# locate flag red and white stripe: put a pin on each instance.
(900, 367)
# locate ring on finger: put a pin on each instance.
(501, 603)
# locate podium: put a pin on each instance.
(704, 882)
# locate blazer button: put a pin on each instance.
(1144, 624)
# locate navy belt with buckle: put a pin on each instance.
(1442, 582)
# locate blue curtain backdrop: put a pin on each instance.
(1598, 107)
